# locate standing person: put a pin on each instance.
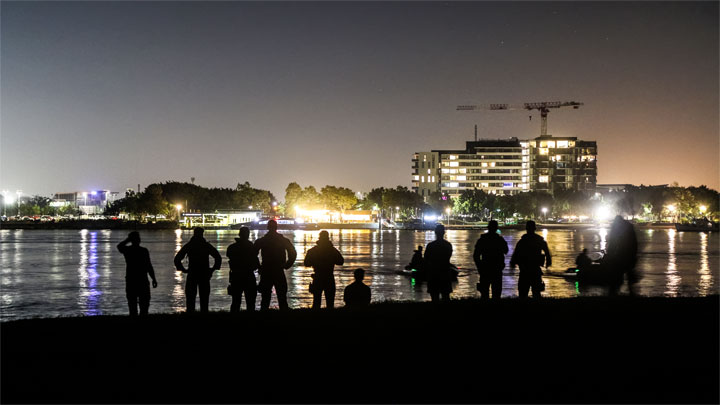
(621, 255)
(529, 256)
(198, 251)
(137, 288)
(323, 258)
(437, 266)
(278, 255)
(243, 262)
(357, 294)
(489, 256)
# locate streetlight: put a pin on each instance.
(544, 211)
(19, 193)
(703, 209)
(672, 210)
(178, 207)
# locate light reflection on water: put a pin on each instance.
(50, 273)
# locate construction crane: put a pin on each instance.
(543, 106)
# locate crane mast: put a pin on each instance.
(542, 106)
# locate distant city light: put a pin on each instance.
(602, 213)
(430, 217)
(703, 209)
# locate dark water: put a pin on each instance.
(65, 272)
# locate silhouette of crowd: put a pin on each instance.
(272, 254)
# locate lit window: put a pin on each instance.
(452, 184)
(492, 164)
(433, 179)
(562, 144)
(462, 171)
(551, 144)
(454, 164)
(543, 151)
(428, 171)
(462, 177)
(416, 178)
(524, 179)
(558, 157)
(525, 172)
(543, 179)
(483, 164)
(524, 165)
(424, 158)
(423, 179)
(525, 152)
(484, 185)
(453, 157)
(453, 171)
(543, 144)
(484, 171)
(525, 158)
(532, 144)
(444, 171)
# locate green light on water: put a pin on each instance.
(577, 288)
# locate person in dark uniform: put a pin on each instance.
(621, 256)
(437, 266)
(489, 256)
(243, 263)
(323, 258)
(416, 263)
(198, 251)
(137, 288)
(357, 294)
(529, 256)
(278, 254)
(583, 261)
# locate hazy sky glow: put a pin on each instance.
(109, 95)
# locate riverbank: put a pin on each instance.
(137, 225)
(583, 350)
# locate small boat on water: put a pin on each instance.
(699, 225)
(413, 273)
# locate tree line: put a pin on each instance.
(652, 203)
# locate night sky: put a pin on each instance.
(108, 95)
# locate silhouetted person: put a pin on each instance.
(357, 294)
(243, 262)
(278, 255)
(621, 255)
(416, 263)
(322, 258)
(489, 256)
(437, 266)
(198, 251)
(583, 261)
(138, 266)
(529, 256)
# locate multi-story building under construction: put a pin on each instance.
(508, 166)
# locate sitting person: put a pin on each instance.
(583, 261)
(357, 294)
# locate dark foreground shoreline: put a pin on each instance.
(584, 350)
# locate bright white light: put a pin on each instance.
(94, 193)
(671, 208)
(249, 207)
(544, 210)
(703, 209)
(299, 221)
(178, 207)
(9, 200)
(430, 217)
(448, 210)
(602, 213)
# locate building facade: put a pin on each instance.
(89, 202)
(508, 166)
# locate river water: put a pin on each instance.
(68, 272)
